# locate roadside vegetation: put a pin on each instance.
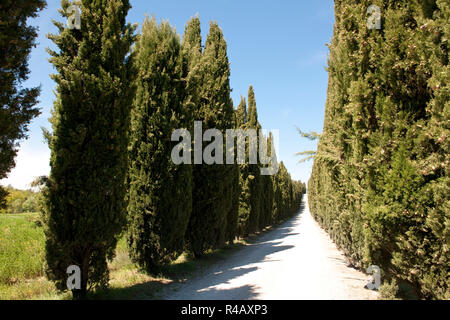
(380, 181)
(22, 266)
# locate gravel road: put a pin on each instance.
(296, 260)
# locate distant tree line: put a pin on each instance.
(380, 182)
(20, 201)
(111, 167)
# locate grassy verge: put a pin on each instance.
(22, 259)
(21, 248)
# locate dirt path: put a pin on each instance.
(297, 260)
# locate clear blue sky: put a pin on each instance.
(276, 46)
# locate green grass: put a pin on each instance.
(22, 250)
(32, 289)
(22, 259)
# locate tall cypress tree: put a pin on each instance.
(235, 191)
(254, 176)
(267, 191)
(380, 182)
(17, 104)
(191, 51)
(244, 195)
(241, 113)
(160, 197)
(85, 208)
(213, 184)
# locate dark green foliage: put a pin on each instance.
(85, 211)
(380, 182)
(213, 184)
(265, 218)
(160, 192)
(241, 114)
(3, 201)
(233, 212)
(267, 194)
(17, 104)
(231, 231)
(244, 195)
(287, 194)
(264, 200)
(191, 54)
(254, 176)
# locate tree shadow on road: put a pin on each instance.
(214, 283)
(208, 285)
(207, 278)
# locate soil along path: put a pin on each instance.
(297, 260)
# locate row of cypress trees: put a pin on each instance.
(263, 199)
(380, 183)
(201, 206)
(111, 167)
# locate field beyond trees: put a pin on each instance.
(20, 201)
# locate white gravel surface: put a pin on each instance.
(295, 261)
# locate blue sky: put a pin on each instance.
(276, 46)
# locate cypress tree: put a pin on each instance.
(160, 197)
(85, 208)
(252, 112)
(213, 184)
(267, 192)
(277, 198)
(285, 188)
(244, 194)
(255, 185)
(191, 51)
(17, 104)
(241, 114)
(235, 190)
